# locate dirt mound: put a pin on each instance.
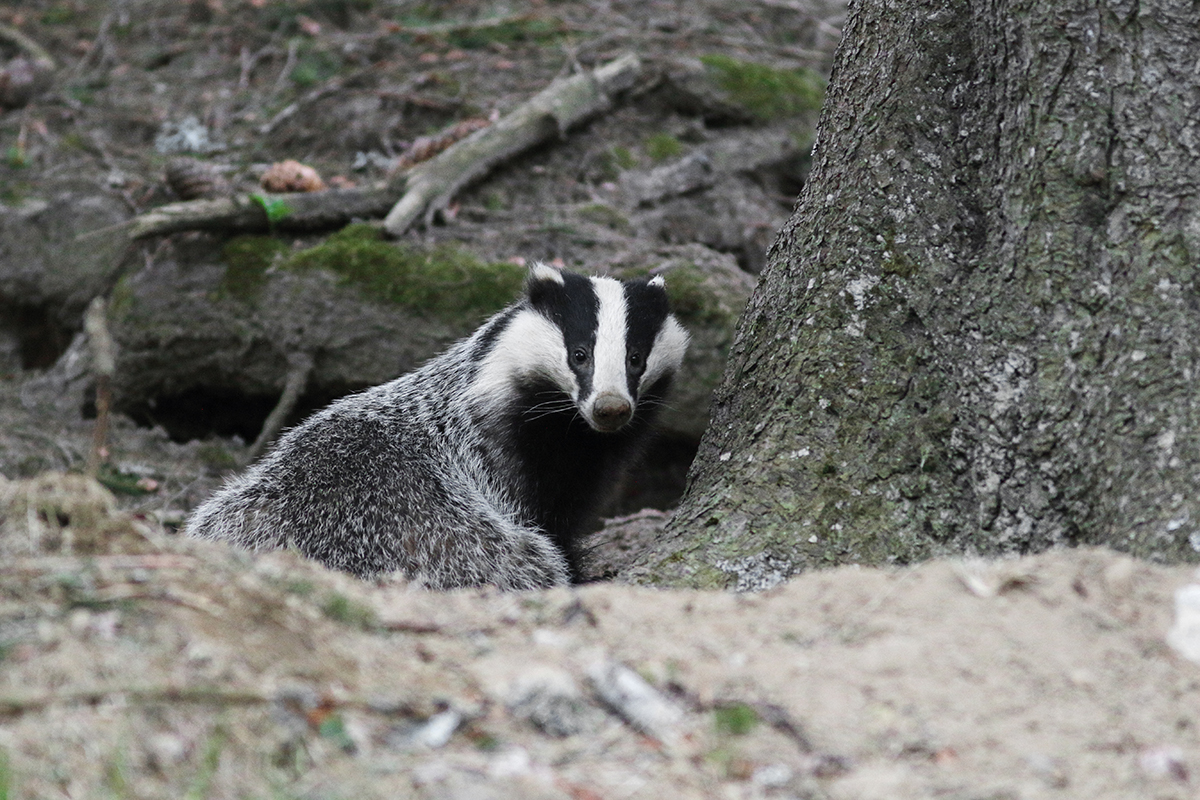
(186, 669)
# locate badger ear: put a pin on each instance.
(657, 282)
(539, 273)
(541, 280)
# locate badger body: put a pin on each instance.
(482, 466)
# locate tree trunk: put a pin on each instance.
(980, 330)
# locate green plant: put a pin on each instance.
(624, 157)
(116, 773)
(314, 67)
(735, 719)
(340, 608)
(58, 14)
(276, 208)
(210, 759)
(606, 215)
(6, 775)
(15, 157)
(118, 482)
(333, 728)
(300, 587)
(216, 455)
(537, 30)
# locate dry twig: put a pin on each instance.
(300, 366)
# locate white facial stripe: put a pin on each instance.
(608, 360)
(666, 355)
(531, 346)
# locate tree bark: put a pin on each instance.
(979, 330)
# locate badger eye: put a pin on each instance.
(579, 356)
(636, 362)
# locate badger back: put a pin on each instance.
(612, 347)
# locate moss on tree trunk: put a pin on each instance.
(979, 331)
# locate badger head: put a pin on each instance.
(607, 345)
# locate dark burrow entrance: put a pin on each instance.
(39, 335)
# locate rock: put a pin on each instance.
(59, 248)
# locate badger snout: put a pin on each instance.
(610, 412)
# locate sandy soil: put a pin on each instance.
(164, 668)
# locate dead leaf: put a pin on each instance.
(291, 176)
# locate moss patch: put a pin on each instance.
(445, 279)
(662, 146)
(691, 300)
(247, 259)
(766, 92)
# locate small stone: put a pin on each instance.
(1184, 635)
(637, 702)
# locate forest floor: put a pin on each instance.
(136, 664)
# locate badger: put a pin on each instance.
(483, 466)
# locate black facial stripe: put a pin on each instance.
(646, 311)
(573, 307)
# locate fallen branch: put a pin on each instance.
(426, 188)
(306, 211)
(300, 366)
(432, 184)
(104, 367)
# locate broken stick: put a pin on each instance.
(104, 365)
(433, 183)
(300, 366)
(301, 211)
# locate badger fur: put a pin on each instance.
(481, 466)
